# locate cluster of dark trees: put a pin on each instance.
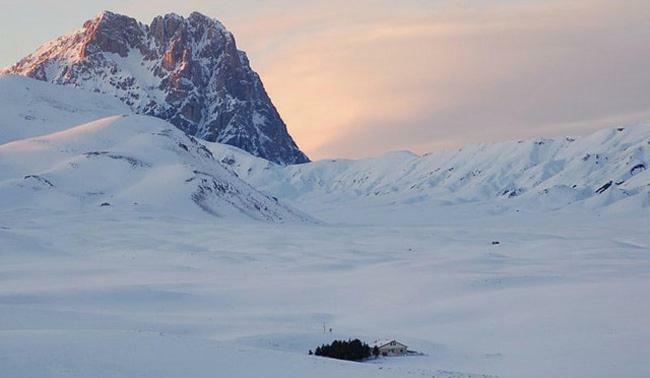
(351, 350)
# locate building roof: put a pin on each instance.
(384, 342)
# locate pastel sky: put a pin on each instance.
(359, 78)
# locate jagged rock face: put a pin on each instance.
(185, 70)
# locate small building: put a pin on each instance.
(390, 347)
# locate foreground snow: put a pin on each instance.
(171, 297)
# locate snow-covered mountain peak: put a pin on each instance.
(187, 71)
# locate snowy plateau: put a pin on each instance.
(130, 249)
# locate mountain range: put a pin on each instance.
(61, 145)
(603, 171)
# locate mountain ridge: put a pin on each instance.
(607, 169)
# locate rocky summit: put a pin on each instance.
(184, 70)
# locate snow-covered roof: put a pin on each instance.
(383, 342)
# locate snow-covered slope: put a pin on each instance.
(31, 108)
(606, 169)
(184, 70)
(131, 163)
(87, 150)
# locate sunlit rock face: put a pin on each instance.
(185, 70)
